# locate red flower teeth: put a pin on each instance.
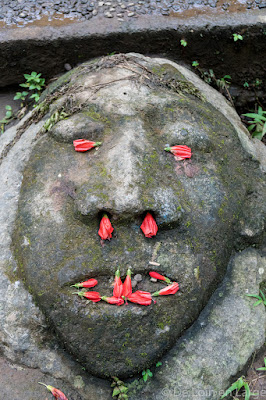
(118, 285)
(181, 152)
(106, 229)
(87, 284)
(160, 277)
(92, 296)
(149, 226)
(55, 392)
(127, 287)
(140, 297)
(84, 145)
(171, 289)
(113, 300)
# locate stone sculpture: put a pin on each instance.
(203, 207)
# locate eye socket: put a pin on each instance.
(76, 127)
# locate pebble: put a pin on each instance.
(14, 11)
(138, 277)
(67, 68)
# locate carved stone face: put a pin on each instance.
(135, 114)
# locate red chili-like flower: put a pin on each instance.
(149, 226)
(171, 289)
(87, 284)
(127, 287)
(106, 229)
(155, 275)
(118, 285)
(93, 296)
(140, 297)
(181, 152)
(55, 392)
(113, 300)
(84, 145)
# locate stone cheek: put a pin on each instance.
(195, 203)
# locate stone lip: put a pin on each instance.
(220, 342)
(28, 49)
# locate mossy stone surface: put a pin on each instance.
(196, 204)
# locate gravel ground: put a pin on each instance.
(21, 12)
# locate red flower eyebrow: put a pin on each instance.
(85, 145)
(179, 151)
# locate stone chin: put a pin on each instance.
(196, 204)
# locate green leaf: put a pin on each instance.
(262, 295)
(24, 85)
(253, 295)
(183, 42)
(257, 135)
(123, 389)
(145, 377)
(261, 369)
(257, 303)
(235, 386)
(8, 114)
(247, 395)
(158, 364)
(116, 392)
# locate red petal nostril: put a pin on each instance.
(149, 226)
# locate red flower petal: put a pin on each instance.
(181, 152)
(118, 285)
(84, 145)
(93, 296)
(140, 297)
(155, 275)
(87, 284)
(113, 300)
(149, 226)
(127, 287)
(55, 392)
(106, 229)
(171, 289)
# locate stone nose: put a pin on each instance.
(129, 181)
(125, 201)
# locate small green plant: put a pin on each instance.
(224, 82)
(158, 364)
(246, 84)
(238, 385)
(195, 64)
(119, 389)
(146, 374)
(7, 118)
(257, 126)
(183, 42)
(237, 37)
(35, 84)
(257, 82)
(262, 368)
(261, 299)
